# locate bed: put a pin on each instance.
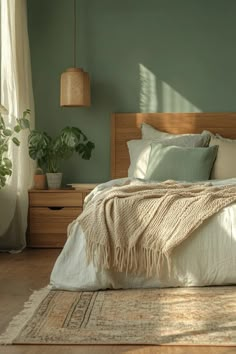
(207, 257)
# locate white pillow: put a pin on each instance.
(150, 133)
(139, 150)
(224, 166)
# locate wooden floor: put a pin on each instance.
(22, 273)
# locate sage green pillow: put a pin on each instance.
(180, 163)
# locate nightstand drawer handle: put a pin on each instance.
(56, 208)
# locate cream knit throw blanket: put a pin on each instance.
(134, 227)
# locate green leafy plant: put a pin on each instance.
(6, 136)
(50, 151)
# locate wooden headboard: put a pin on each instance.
(126, 126)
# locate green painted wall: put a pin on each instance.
(152, 55)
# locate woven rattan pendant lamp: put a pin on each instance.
(75, 82)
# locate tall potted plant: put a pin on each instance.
(6, 136)
(50, 151)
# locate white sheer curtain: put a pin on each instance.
(16, 96)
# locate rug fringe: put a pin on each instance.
(19, 321)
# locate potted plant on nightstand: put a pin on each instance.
(39, 179)
(50, 151)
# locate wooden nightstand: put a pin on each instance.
(50, 212)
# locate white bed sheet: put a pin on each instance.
(207, 257)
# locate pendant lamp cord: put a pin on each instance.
(74, 33)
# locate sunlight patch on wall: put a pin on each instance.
(158, 96)
(173, 101)
(148, 90)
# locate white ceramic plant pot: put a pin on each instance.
(54, 180)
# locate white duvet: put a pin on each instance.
(207, 257)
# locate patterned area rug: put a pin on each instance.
(181, 316)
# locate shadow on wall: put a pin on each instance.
(158, 96)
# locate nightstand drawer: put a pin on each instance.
(54, 199)
(47, 220)
(50, 213)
